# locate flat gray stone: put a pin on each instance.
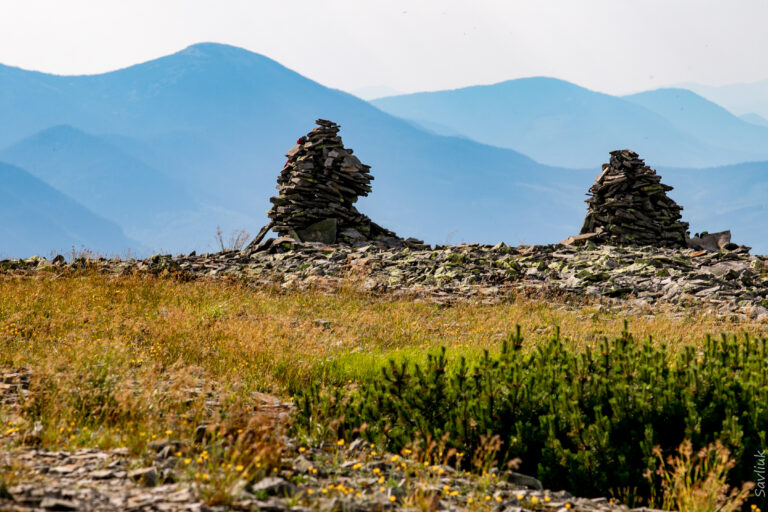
(144, 476)
(273, 486)
(323, 231)
(57, 504)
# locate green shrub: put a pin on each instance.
(587, 421)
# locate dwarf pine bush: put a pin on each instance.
(588, 421)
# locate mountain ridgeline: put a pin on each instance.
(562, 124)
(170, 149)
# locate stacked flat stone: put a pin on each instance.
(629, 206)
(319, 185)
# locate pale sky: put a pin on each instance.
(614, 46)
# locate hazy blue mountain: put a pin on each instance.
(36, 219)
(105, 180)
(95, 172)
(738, 98)
(711, 123)
(237, 112)
(559, 123)
(754, 119)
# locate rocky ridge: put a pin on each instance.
(725, 281)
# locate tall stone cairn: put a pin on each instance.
(629, 206)
(319, 185)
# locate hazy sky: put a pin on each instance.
(615, 46)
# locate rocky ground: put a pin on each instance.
(728, 282)
(337, 477)
(96, 480)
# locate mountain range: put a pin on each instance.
(562, 124)
(172, 148)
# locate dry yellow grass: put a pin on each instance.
(277, 341)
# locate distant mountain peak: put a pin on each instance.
(538, 82)
(60, 129)
(672, 92)
(211, 49)
(223, 53)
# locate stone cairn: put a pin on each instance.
(319, 185)
(629, 206)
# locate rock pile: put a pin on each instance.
(319, 185)
(629, 206)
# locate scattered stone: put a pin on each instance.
(329, 489)
(710, 241)
(56, 504)
(103, 474)
(524, 481)
(144, 476)
(579, 239)
(64, 470)
(85, 485)
(272, 486)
